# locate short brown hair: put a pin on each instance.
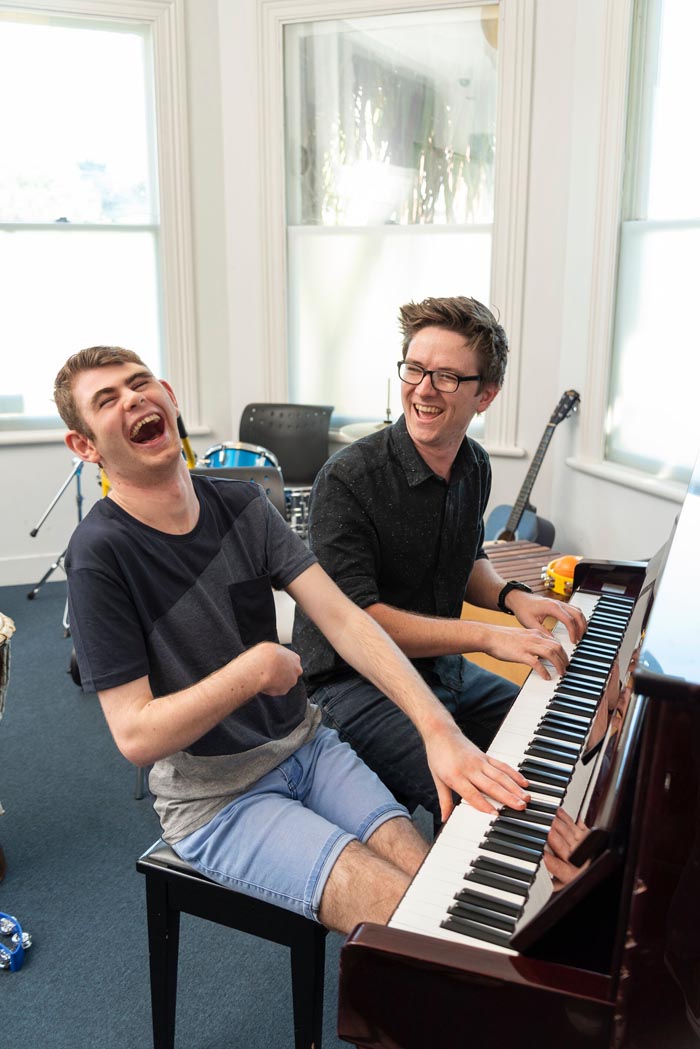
(469, 318)
(93, 357)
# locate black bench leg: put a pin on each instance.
(308, 961)
(163, 945)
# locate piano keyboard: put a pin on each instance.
(484, 875)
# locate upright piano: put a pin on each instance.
(486, 948)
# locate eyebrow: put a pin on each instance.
(142, 374)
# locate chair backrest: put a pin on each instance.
(268, 476)
(296, 433)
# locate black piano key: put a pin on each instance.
(571, 708)
(541, 788)
(532, 767)
(560, 734)
(479, 932)
(583, 682)
(543, 806)
(528, 815)
(508, 870)
(576, 692)
(497, 843)
(480, 899)
(487, 918)
(572, 722)
(496, 881)
(533, 832)
(579, 729)
(530, 837)
(541, 750)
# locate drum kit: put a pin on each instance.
(238, 454)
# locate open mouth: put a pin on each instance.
(147, 429)
(427, 410)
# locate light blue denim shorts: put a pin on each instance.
(280, 839)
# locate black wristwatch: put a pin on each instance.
(512, 585)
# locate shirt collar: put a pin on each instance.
(414, 466)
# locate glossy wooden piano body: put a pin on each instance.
(621, 968)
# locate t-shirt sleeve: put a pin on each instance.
(108, 638)
(287, 555)
(343, 537)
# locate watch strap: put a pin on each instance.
(513, 584)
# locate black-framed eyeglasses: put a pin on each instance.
(444, 382)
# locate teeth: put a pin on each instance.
(429, 410)
(142, 422)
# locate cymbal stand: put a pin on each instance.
(76, 473)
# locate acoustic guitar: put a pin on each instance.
(520, 521)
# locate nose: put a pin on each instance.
(425, 385)
(133, 399)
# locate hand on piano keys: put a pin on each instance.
(456, 764)
(532, 610)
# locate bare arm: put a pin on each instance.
(455, 763)
(419, 636)
(146, 729)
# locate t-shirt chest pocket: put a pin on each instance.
(254, 608)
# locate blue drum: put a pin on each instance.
(237, 453)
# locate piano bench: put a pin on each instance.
(174, 887)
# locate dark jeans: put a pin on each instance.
(387, 740)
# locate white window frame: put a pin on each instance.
(513, 121)
(166, 21)
(607, 223)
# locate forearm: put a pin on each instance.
(424, 636)
(374, 655)
(147, 729)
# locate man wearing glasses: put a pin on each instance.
(396, 519)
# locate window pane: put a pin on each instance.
(346, 288)
(65, 290)
(74, 125)
(391, 119)
(653, 413)
(674, 176)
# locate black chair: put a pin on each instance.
(174, 887)
(297, 434)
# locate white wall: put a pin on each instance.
(592, 516)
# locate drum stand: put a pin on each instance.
(76, 473)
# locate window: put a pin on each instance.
(390, 141)
(652, 420)
(82, 239)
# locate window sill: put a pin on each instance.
(17, 438)
(673, 491)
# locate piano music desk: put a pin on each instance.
(521, 560)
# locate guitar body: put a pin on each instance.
(520, 521)
(531, 527)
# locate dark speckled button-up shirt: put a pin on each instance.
(387, 529)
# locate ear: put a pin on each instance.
(488, 394)
(82, 447)
(171, 394)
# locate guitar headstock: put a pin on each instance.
(568, 403)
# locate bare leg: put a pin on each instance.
(367, 881)
(399, 842)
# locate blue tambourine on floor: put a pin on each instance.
(12, 957)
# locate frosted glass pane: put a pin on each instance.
(75, 118)
(654, 422)
(63, 291)
(392, 118)
(674, 176)
(346, 288)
